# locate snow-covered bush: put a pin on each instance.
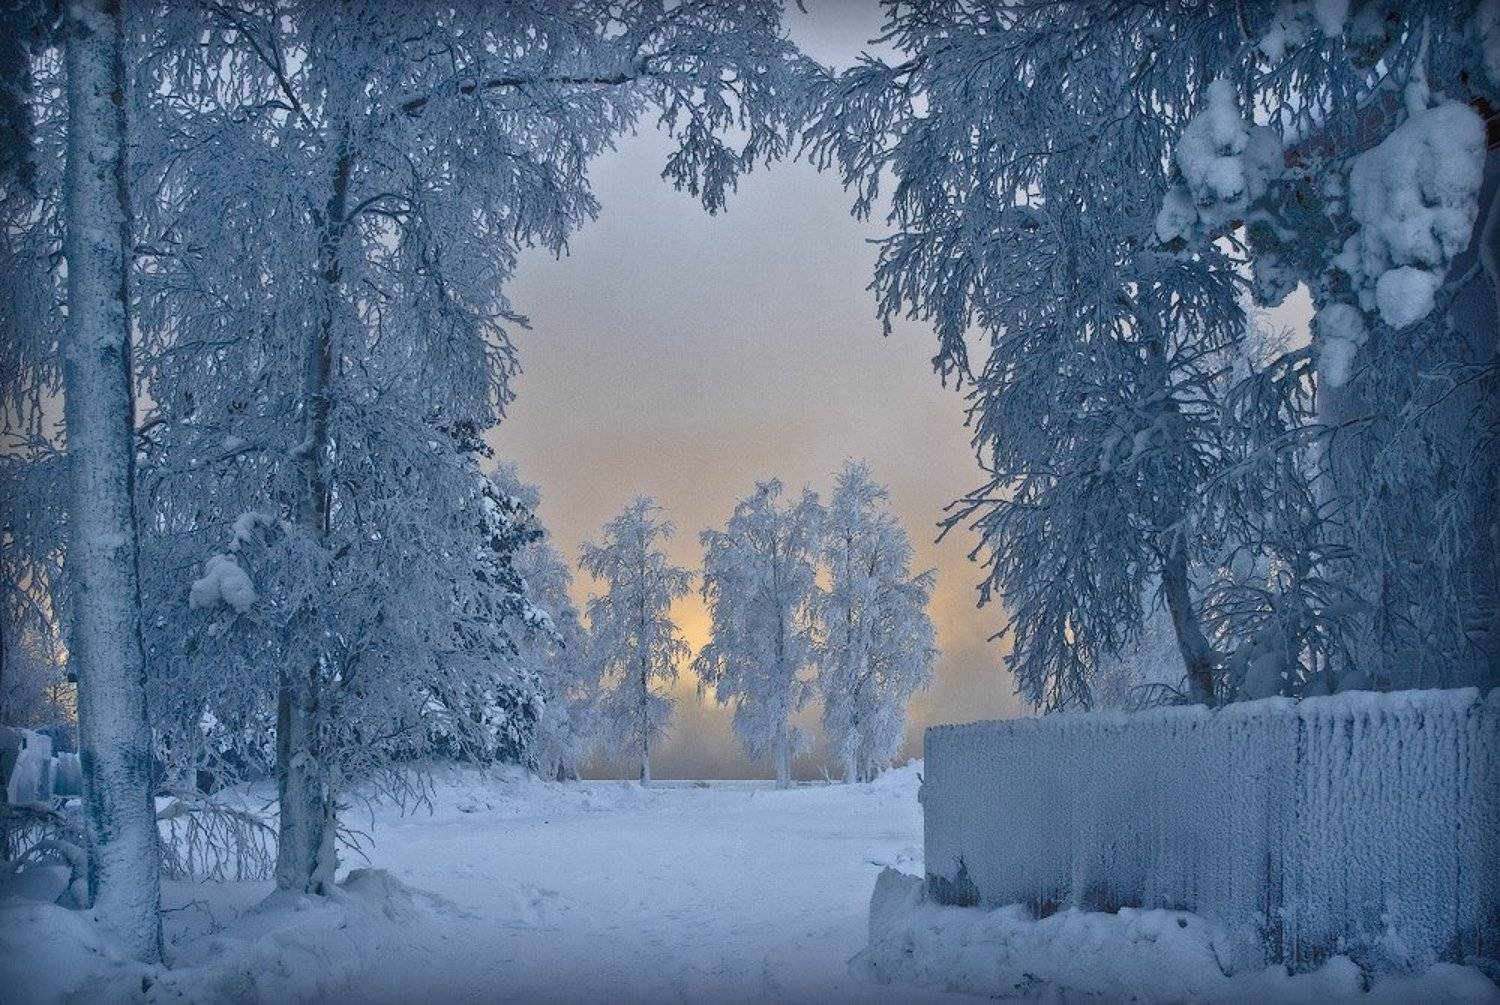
(1361, 823)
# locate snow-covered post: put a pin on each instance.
(106, 651)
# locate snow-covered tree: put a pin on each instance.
(489, 710)
(22, 24)
(33, 469)
(568, 731)
(632, 637)
(105, 648)
(34, 689)
(1096, 190)
(1138, 675)
(33, 475)
(760, 584)
(338, 194)
(876, 644)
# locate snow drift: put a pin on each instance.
(1361, 824)
(1147, 956)
(289, 948)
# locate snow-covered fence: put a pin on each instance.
(1360, 823)
(29, 771)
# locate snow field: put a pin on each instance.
(532, 892)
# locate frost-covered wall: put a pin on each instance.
(1361, 823)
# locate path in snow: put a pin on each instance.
(607, 892)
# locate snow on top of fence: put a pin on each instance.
(1345, 702)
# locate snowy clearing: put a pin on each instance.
(605, 891)
(518, 890)
(527, 891)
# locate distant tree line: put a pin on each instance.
(804, 602)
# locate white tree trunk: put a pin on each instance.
(306, 856)
(783, 757)
(644, 656)
(102, 559)
(645, 725)
(306, 852)
(1197, 653)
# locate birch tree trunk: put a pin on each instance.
(645, 724)
(783, 757)
(99, 412)
(1197, 653)
(645, 668)
(306, 851)
(852, 670)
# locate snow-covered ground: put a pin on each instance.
(516, 890)
(1135, 955)
(608, 892)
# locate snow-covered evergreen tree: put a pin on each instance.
(632, 637)
(338, 195)
(1095, 188)
(876, 644)
(558, 657)
(489, 711)
(760, 584)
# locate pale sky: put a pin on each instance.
(685, 357)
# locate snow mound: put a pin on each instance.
(1135, 955)
(899, 783)
(513, 792)
(50, 954)
(289, 948)
(293, 947)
